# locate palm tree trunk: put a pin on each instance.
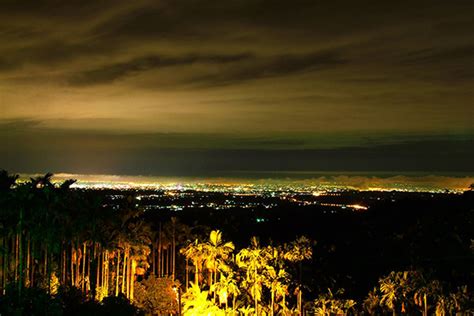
(425, 304)
(78, 263)
(72, 260)
(215, 273)
(300, 305)
(49, 259)
(255, 291)
(117, 274)
(196, 276)
(32, 282)
(166, 262)
(64, 263)
(105, 273)
(97, 281)
(215, 280)
(273, 302)
(46, 264)
(16, 257)
(84, 254)
(5, 266)
(255, 298)
(20, 249)
(153, 261)
(88, 286)
(132, 278)
(28, 259)
(2, 271)
(124, 269)
(174, 252)
(160, 254)
(163, 259)
(160, 270)
(128, 277)
(187, 273)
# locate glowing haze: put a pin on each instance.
(183, 88)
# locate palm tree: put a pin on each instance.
(458, 303)
(220, 288)
(329, 304)
(226, 287)
(397, 287)
(277, 282)
(254, 260)
(8, 222)
(389, 288)
(232, 288)
(372, 302)
(42, 181)
(427, 291)
(194, 252)
(216, 253)
(7, 181)
(299, 250)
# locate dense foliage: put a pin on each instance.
(77, 252)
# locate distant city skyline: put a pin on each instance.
(207, 88)
(413, 182)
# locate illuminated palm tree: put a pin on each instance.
(396, 288)
(389, 289)
(219, 288)
(426, 293)
(372, 302)
(137, 238)
(226, 287)
(277, 282)
(216, 253)
(407, 290)
(254, 259)
(232, 289)
(330, 304)
(194, 252)
(458, 303)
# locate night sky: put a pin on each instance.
(210, 87)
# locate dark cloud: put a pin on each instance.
(446, 55)
(112, 72)
(452, 63)
(240, 67)
(272, 67)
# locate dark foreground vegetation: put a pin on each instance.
(67, 251)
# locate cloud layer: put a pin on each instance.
(237, 75)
